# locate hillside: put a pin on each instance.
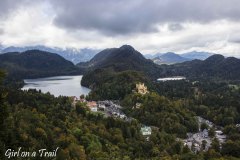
(127, 58)
(35, 63)
(216, 67)
(120, 59)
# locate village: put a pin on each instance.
(194, 141)
(111, 108)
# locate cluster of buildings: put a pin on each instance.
(113, 109)
(195, 141)
(93, 106)
(107, 107)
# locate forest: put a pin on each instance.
(34, 120)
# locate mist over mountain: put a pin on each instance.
(197, 55)
(151, 56)
(172, 58)
(71, 54)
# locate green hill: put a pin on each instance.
(35, 63)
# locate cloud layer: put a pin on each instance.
(150, 26)
(124, 17)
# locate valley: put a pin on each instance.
(119, 80)
(127, 106)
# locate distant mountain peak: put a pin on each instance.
(171, 53)
(215, 57)
(127, 47)
(169, 58)
(35, 63)
(119, 59)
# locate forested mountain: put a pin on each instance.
(35, 63)
(120, 59)
(216, 67)
(127, 58)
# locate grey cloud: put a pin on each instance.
(1, 31)
(175, 27)
(235, 38)
(114, 17)
(9, 6)
(236, 41)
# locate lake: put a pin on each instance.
(177, 78)
(59, 85)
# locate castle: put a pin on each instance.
(141, 88)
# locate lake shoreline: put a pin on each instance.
(58, 85)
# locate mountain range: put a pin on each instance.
(172, 58)
(127, 58)
(35, 63)
(85, 54)
(71, 54)
(214, 67)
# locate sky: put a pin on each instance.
(150, 26)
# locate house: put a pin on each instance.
(141, 88)
(92, 105)
(101, 106)
(146, 131)
(122, 116)
(138, 105)
(219, 132)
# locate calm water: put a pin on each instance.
(59, 85)
(177, 78)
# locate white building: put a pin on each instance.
(146, 131)
(93, 109)
(101, 106)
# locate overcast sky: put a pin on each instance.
(150, 26)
